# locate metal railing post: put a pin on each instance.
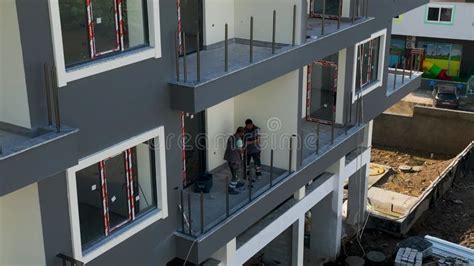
(339, 14)
(395, 78)
(182, 210)
(323, 17)
(271, 168)
(274, 32)
(189, 215)
(318, 131)
(198, 58)
(56, 99)
(290, 155)
(202, 212)
(251, 39)
(293, 39)
(176, 53)
(227, 212)
(403, 72)
(332, 133)
(47, 83)
(226, 42)
(185, 65)
(411, 65)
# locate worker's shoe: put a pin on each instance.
(240, 184)
(233, 191)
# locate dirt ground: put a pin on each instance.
(451, 219)
(407, 104)
(411, 183)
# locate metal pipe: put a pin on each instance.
(245, 165)
(318, 131)
(251, 39)
(182, 210)
(290, 155)
(176, 53)
(403, 72)
(185, 65)
(198, 58)
(274, 32)
(189, 215)
(323, 17)
(411, 64)
(227, 212)
(47, 84)
(395, 78)
(226, 55)
(202, 212)
(56, 99)
(271, 168)
(332, 133)
(293, 40)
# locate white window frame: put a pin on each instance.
(381, 66)
(161, 212)
(439, 6)
(102, 65)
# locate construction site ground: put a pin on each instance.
(409, 183)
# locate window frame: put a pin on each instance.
(439, 7)
(382, 34)
(135, 226)
(65, 75)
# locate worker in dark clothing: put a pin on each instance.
(233, 156)
(252, 147)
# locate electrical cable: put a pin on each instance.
(189, 252)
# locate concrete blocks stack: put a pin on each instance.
(408, 256)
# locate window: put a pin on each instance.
(94, 28)
(94, 36)
(116, 193)
(440, 14)
(369, 58)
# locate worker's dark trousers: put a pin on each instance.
(256, 162)
(235, 172)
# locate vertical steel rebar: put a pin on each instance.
(226, 52)
(245, 166)
(251, 39)
(293, 39)
(395, 78)
(318, 131)
(198, 57)
(202, 212)
(227, 211)
(339, 14)
(411, 64)
(290, 155)
(189, 215)
(47, 83)
(271, 168)
(185, 65)
(182, 210)
(176, 53)
(403, 71)
(323, 17)
(274, 32)
(56, 99)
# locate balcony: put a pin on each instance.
(236, 65)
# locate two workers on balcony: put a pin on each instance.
(241, 148)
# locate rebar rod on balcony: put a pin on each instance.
(251, 39)
(198, 58)
(271, 168)
(290, 155)
(318, 131)
(411, 64)
(176, 53)
(403, 71)
(182, 210)
(189, 214)
(47, 84)
(226, 52)
(323, 17)
(395, 77)
(274, 32)
(227, 212)
(55, 89)
(293, 39)
(339, 14)
(202, 212)
(185, 65)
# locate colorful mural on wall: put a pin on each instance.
(442, 60)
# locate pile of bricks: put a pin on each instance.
(453, 261)
(408, 256)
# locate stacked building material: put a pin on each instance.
(408, 256)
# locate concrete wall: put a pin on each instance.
(21, 241)
(13, 96)
(429, 130)
(216, 14)
(274, 108)
(413, 23)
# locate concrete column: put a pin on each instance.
(226, 254)
(341, 80)
(299, 195)
(368, 134)
(357, 201)
(297, 247)
(326, 218)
